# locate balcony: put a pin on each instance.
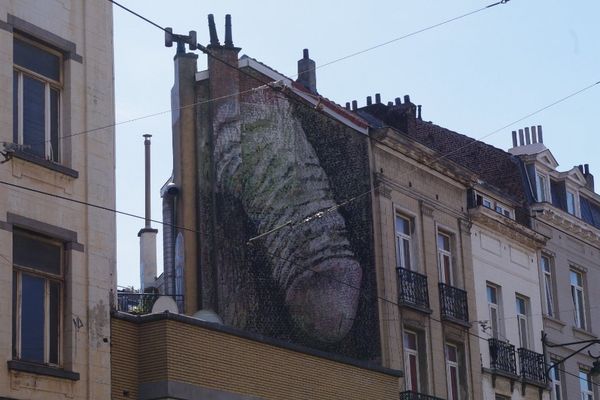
(502, 357)
(532, 366)
(412, 289)
(141, 303)
(453, 304)
(417, 396)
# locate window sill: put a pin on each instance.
(40, 369)
(554, 322)
(583, 334)
(22, 155)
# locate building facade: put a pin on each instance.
(57, 253)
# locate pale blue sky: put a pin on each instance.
(473, 75)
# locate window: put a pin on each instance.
(452, 371)
(523, 322)
(570, 202)
(411, 361)
(541, 186)
(586, 385)
(37, 294)
(444, 258)
(492, 298)
(548, 285)
(36, 98)
(494, 205)
(578, 299)
(556, 389)
(403, 242)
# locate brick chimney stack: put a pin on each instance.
(307, 74)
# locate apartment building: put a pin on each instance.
(565, 209)
(57, 253)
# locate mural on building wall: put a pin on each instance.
(283, 168)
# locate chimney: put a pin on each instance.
(377, 98)
(540, 137)
(398, 101)
(514, 138)
(527, 138)
(534, 134)
(369, 100)
(521, 138)
(147, 235)
(589, 178)
(347, 105)
(307, 74)
(354, 105)
(419, 112)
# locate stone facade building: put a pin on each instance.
(57, 254)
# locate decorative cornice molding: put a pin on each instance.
(565, 222)
(507, 227)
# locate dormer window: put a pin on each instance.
(571, 202)
(541, 183)
(494, 205)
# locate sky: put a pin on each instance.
(473, 75)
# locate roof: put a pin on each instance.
(494, 166)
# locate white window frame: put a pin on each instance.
(494, 309)
(404, 242)
(586, 385)
(445, 254)
(450, 366)
(523, 321)
(541, 192)
(411, 354)
(548, 281)
(49, 84)
(578, 297)
(496, 206)
(556, 385)
(575, 210)
(18, 272)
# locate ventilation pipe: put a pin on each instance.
(147, 234)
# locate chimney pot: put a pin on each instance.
(354, 105)
(347, 105)
(390, 103)
(406, 99)
(514, 138)
(527, 138)
(521, 137)
(533, 134)
(398, 101)
(369, 100)
(228, 38)
(377, 98)
(305, 54)
(586, 169)
(540, 137)
(307, 74)
(419, 111)
(214, 39)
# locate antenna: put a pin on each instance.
(181, 40)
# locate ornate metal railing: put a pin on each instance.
(412, 288)
(141, 303)
(532, 366)
(453, 302)
(417, 396)
(502, 356)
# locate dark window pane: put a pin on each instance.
(15, 315)
(15, 107)
(34, 107)
(54, 321)
(32, 318)
(37, 60)
(31, 252)
(54, 113)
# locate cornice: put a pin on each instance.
(566, 222)
(507, 227)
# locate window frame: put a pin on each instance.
(556, 391)
(579, 314)
(547, 270)
(453, 365)
(523, 321)
(441, 255)
(407, 242)
(586, 393)
(541, 192)
(48, 279)
(496, 332)
(415, 354)
(49, 84)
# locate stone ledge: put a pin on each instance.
(21, 155)
(40, 369)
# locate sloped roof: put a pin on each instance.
(494, 166)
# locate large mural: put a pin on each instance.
(292, 261)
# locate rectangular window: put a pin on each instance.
(541, 186)
(411, 361)
(556, 389)
(37, 294)
(445, 258)
(403, 242)
(494, 309)
(586, 385)
(548, 285)
(570, 202)
(577, 294)
(522, 304)
(452, 372)
(36, 98)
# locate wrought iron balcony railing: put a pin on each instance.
(141, 303)
(532, 366)
(502, 356)
(453, 302)
(412, 288)
(409, 395)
